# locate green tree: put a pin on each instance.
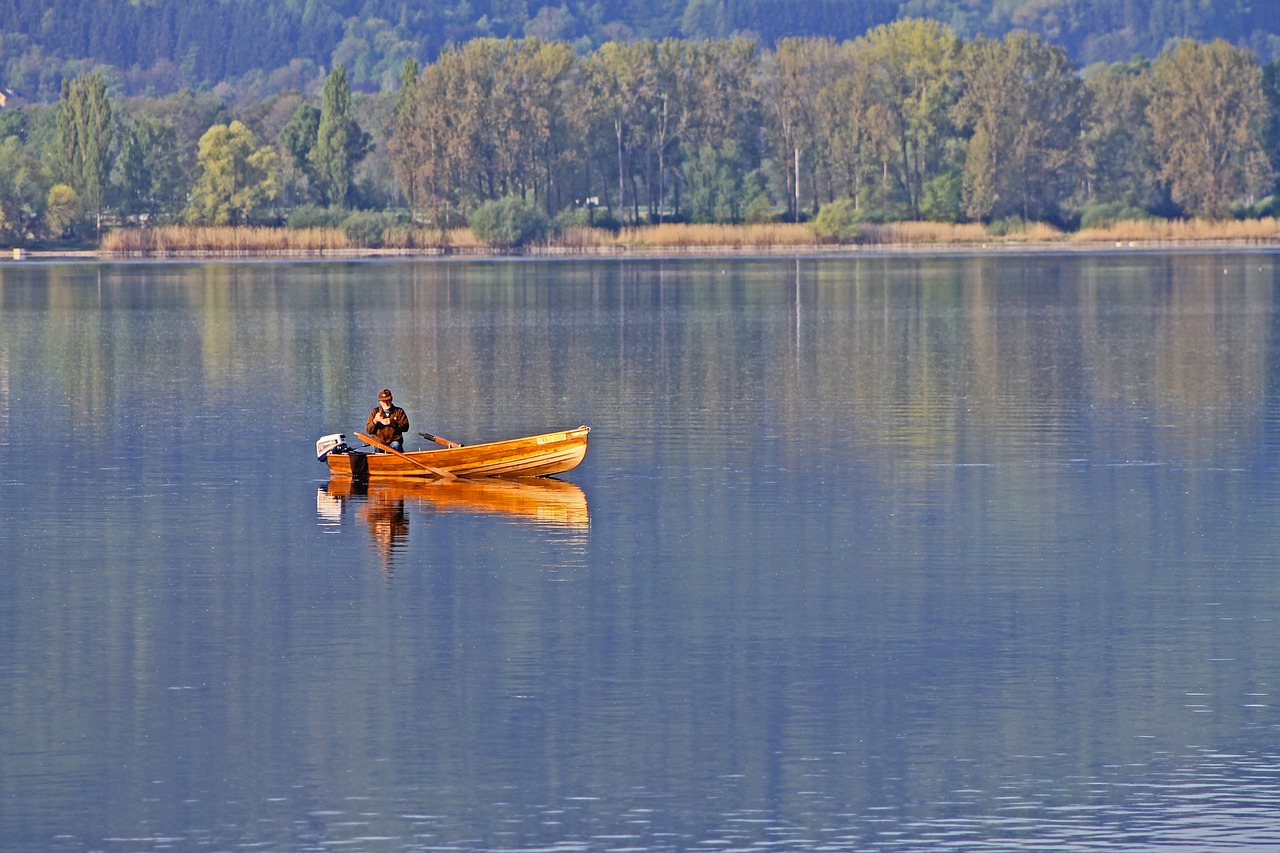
(298, 138)
(1271, 89)
(489, 114)
(703, 93)
(720, 187)
(1208, 115)
(62, 209)
(549, 81)
(150, 170)
(340, 143)
(621, 87)
(495, 105)
(440, 132)
(837, 222)
(849, 125)
(671, 109)
(1120, 159)
(24, 185)
(237, 176)
(508, 222)
(913, 65)
(792, 77)
(725, 104)
(408, 136)
(84, 140)
(1025, 106)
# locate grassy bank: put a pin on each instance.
(184, 240)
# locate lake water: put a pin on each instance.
(879, 553)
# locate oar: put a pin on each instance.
(386, 448)
(438, 440)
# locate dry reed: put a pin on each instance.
(430, 239)
(913, 233)
(171, 239)
(584, 239)
(195, 239)
(458, 238)
(182, 239)
(1178, 230)
(683, 236)
(1033, 232)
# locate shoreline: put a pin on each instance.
(995, 246)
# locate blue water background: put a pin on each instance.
(867, 553)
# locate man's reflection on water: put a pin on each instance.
(382, 506)
(382, 513)
(388, 528)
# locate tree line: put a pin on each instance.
(906, 122)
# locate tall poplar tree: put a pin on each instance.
(84, 140)
(1026, 106)
(1208, 114)
(407, 142)
(620, 88)
(298, 138)
(1120, 159)
(547, 71)
(150, 173)
(849, 130)
(340, 143)
(797, 69)
(913, 65)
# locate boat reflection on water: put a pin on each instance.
(382, 505)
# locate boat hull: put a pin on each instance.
(529, 456)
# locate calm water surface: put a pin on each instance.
(971, 553)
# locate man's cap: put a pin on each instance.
(384, 394)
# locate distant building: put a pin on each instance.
(7, 95)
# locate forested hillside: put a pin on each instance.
(253, 47)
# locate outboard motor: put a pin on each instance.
(335, 443)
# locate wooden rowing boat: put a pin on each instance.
(529, 456)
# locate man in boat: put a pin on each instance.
(387, 422)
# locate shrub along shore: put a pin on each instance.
(180, 241)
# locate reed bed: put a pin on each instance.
(684, 236)
(431, 239)
(184, 239)
(170, 239)
(1177, 230)
(585, 240)
(784, 234)
(190, 239)
(914, 233)
(681, 236)
(455, 238)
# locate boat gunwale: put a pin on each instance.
(434, 452)
(566, 444)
